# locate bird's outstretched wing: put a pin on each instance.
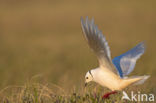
(98, 43)
(125, 63)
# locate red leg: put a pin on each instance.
(106, 96)
(95, 95)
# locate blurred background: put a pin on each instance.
(44, 38)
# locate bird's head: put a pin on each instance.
(88, 77)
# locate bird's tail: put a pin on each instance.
(142, 80)
(135, 80)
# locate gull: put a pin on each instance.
(112, 74)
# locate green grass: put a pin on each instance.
(50, 93)
(45, 38)
(36, 92)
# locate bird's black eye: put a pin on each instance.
(86, 77)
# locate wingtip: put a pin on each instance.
(86, 20)
(81, 19)
(142, 45)
(143, 79)
(147, 76)
(92, 21)
(86, 17)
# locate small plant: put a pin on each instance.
(39, 93)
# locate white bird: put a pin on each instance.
(111, 73)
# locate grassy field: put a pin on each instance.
(44, 56)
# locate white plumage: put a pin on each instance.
(110, 73)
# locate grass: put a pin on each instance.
(39, 93)
(35, 91)
(45, 38)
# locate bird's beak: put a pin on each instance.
(85, 84)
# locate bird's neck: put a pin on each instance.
(95, 72)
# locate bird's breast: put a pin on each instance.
(107, 79)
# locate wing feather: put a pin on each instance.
(98, 43)
(125, 63)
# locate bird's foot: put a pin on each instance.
(94, 95)
(106, 96)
